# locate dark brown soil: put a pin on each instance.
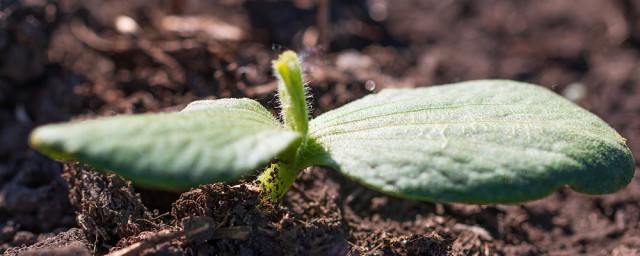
(62, 60)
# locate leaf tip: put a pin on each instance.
(47, 139)
(36, 138)
(288, 58)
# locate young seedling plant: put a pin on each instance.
(487, 141)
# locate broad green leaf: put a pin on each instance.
(490, 141)
(209, 141)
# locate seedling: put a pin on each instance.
(487, 141)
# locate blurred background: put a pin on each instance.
(69, 59)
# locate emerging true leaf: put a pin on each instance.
(215, 140)
(488, 141)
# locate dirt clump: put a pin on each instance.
(109, 209)
(70, 242)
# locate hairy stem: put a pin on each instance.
(280, 175)
(276, 180)
(291, 92)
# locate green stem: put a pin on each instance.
(291, 92)
(276, 180)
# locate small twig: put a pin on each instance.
(137, 248)
(160, 216)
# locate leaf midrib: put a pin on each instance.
(541, 124)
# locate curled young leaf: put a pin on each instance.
(490, 141)
(209, 141)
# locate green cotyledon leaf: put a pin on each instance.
(209, 141)
(488, 141)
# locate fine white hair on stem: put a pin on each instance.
(307, 95)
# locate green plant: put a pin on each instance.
(488, 141)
